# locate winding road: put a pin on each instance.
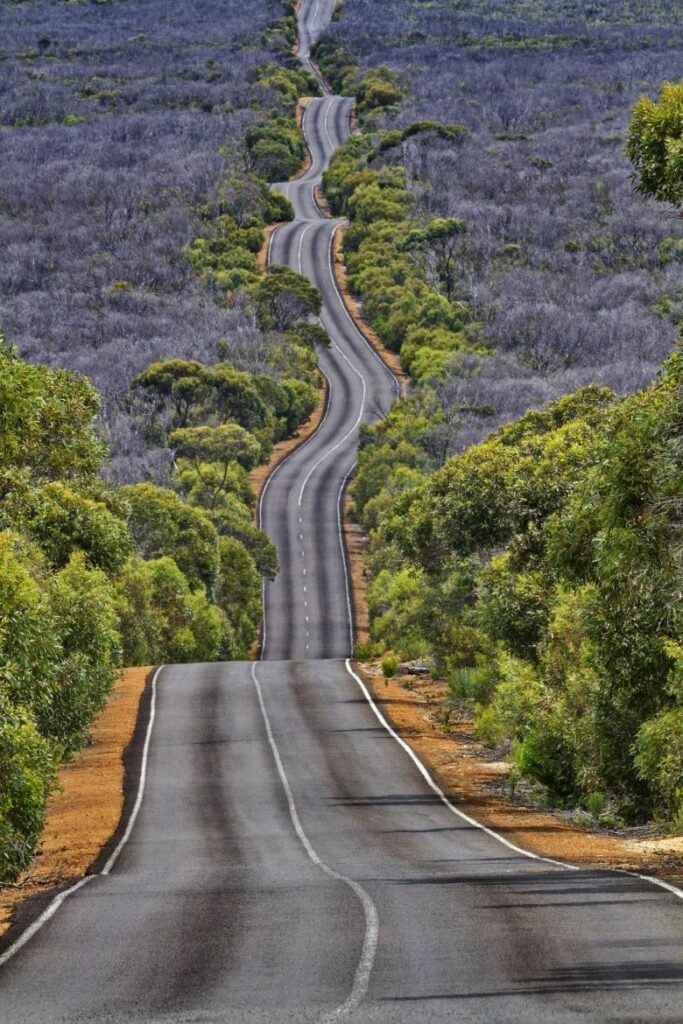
(308, 606)
(284, 857)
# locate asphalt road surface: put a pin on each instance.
(284, 859)
(364, 899)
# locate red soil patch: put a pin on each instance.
(85, 809)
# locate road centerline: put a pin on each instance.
(367, 956)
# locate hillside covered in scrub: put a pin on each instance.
(557, 273)
(524, 500)
(138, 139)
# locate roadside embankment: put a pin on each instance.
(356, 544)
(391, 359)
(86, 807)
(259, 475)
(473, 779)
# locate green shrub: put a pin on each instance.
(82, 601)
(162, 524)
(595, 804)
(161, 619)
(390, 665)
(27, 773)
(487, 726)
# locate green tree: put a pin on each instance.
(63, 521)
(181, 383)
(162, 619)
(235, 397)
(239, 592)
(27, 773)
(441, 240)
(82, 604)
(47, 421)
(284, 297)
(29, 644)
(163, 524)
(655, 144)
(377, 90)
(275, 149)
(220, 446)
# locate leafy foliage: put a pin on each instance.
(655, 144)
(163, 619)
(25, 782)
(545, 561)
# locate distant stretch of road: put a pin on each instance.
(307, 608)
(284, 857)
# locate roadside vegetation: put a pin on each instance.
(510, 128)
(126, 512)
(523, 508)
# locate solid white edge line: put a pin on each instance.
(365, 963)
(56, 903)
(143, 778)
(439, 792)
(477, 824)
(659, 882)
(49, 912)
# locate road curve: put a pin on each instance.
(284, 859)
(307, 608)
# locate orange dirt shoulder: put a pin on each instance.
(460, 765)
(85, 810)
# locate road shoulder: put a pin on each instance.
(471, 777)
(85, 809)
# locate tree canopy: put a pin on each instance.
(655, 144)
